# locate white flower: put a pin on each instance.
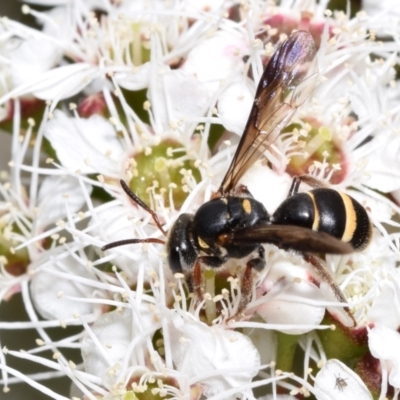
(369, 281)
(113, 224)
(281, 291)
(384, 344)
(54, 295)
(228, 47)
(96, 146)
(27, 224)
(336, 381)
(115, 346)
(384, 14)
(174, 108)
(212, 356)
(234, 104)
(32, 58)
(168, 87)
(116, 349)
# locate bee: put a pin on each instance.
(233, 224)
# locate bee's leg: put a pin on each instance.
(308, 180)
(247, 283)
(327, 276)
(197, 284)
(294, 187)
(195, 279)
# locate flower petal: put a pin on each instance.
(226, 51)
(54, 193)
(385, 309)
(268, 187)
(335, 381)
(172, 95)
(85, 145)
(114, 332)
(213, 354)
(265, 342)
(58, 83)
(235, 103)
(384, 344)
(118, 225)
(33, 58)
(137, 79)
(283, 288)
(384, 163)
(380, 210)
(49, 292)
(294, 312)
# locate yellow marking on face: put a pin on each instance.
(246, 206)
(202, 243)
(316, 221)
(351, 218)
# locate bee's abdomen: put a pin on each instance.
(328, 211)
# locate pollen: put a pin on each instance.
(160, 164)
(217, 298)
(25, 9)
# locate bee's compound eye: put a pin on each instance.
(181, 253)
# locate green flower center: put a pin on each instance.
(15, 261)
(317, 148)
(163, 170)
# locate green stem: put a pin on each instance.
(286, 350)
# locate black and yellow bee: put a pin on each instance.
(235, 225)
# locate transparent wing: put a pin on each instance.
(290, 237)
(287, 81)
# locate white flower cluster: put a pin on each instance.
(157, 93)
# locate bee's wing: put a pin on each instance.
(289, 237)
(287, 81)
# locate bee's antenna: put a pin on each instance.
(131, 241)
(139, 202)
